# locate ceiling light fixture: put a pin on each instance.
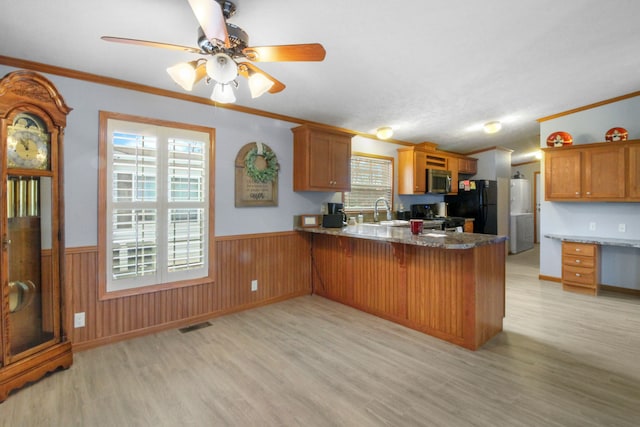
(492, 127)
(186, 74)
(223, 94)
(222, 68)
(258, 84)
(384, 132)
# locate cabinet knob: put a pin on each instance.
(588, 193)
(577, 193)
(577, 261)
(577, 249)
(577, 274)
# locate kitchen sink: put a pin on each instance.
(395, 223)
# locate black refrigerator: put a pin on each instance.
(479, 201)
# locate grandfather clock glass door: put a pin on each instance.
(33, 321)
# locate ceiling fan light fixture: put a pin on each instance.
(259, 84)
(223, 94)
(384, 132)
(186, 74)
(222, 68)
(492, 127)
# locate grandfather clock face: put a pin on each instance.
(28, 144)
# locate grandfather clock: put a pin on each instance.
(34, 316)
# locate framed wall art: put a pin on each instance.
(256, 181)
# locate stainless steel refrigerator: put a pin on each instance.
(478, 200)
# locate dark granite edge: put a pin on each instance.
(451, 240)
(595, 240)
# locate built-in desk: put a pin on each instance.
(581, 260)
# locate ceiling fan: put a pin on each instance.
(227, 47)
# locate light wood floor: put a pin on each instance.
(562, 360)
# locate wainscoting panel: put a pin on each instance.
(278, 261)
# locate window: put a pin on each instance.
(371, 178)
(156, 207)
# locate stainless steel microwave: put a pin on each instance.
(438, 181)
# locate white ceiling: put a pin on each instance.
(433, 70)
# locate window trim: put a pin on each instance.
(374, 156)
(103, 140)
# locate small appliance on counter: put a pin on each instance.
(404, 215)
(336, 218)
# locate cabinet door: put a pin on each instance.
(468, 166)
(320, 160)
(452, 166)
(341, 163)
(420, 172)
(634, 172)
(562, 175)
(603, 176)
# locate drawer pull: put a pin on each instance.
(578, 275)
(578, 261)
(577, 249)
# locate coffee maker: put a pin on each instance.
(335, 218)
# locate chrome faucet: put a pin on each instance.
(375, 209)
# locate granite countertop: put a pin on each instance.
(433, 239)
(605, 241)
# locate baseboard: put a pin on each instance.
(620, 290)
(87, 345)
(609, 288)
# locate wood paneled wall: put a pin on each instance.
(279, 261)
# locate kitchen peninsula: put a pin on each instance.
(448, 285)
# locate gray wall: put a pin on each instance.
(233, 130)
(620, 266)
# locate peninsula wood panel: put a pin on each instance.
(455, 295)
(279, 261)
(435, 296)
(488, 278)
(330, 276)
(379, 278)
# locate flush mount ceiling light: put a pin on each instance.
(492, 127)
(384, 132)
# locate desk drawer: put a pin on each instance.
(583, 275)
(582, 249)
(578, 261)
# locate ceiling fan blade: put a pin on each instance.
(290, 52)
(245, 69)
(211, 19)
(153, 44)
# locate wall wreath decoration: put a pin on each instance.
(265, 174)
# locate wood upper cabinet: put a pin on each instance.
(633, 190)
(413, 163)
(603, 172)
(412, 174)
(321, 159)
(593, 172)
(467, 166)
(562, 173)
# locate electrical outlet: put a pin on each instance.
(78, 320)
(622, 228)
(254, 285)
(592, 226)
